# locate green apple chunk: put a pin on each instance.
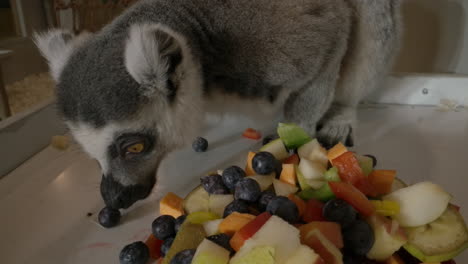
(265, 181)
(366, 164)
(217, 202)
(283, 189)
(277, 148)
(388, 239)
(197, 201)
(420, 203)
(292, 135)
(313, 151)
(189, 236)
(257, 255)
(210, 253)
(275, 233)
(440, 240)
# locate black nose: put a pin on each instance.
(117, 196)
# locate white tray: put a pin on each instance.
(44, 203)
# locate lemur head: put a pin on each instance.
(128, 96)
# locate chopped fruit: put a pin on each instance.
(324, 247)
(257, 255)
(301, 205)
(284, 208)
(420, 203)
(163, 227)
(189, 237)
(135, 253)
(339, 211)
(183, 257)
(366, 164)
(293, 159)
(314, 211)
(232, 175)
(264, 163)
(288, 174)
(352, 196)
(200, 144)
(222, 240)
(217, 202)
(247, 189)
(234, 222)
(382, 180)
(323, 194)
(236, 206)
(171, 204)
(332, 175)
(214, 184)
(386, 208)
(249, 171)
(304, 255)
(331, 230)
(277, 148)
(154, 246)
(268, 139)
(109, 217)
(348, 168)
(265, 198)
(276, 233)
(338, 150)
(394, 259)
(387, 241)
(359, 237)
(251, 133)
(292, 135)
(313, 151)
(210, 253)
(178, 222)
(166, 245)
(283, 189)
(201, 217)
(265, 181)
(212, 227)
(440, 240)
(312, 170)
(197, 200)
(305, 183)
(247, 231)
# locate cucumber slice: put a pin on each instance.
(292, 135)
(322, 194)
(277, 148)
(332, 175)
(366, 164)
(440, 240)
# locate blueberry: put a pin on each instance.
(247, 189)
(284, 208)
(264, 163)
(374, 160)
(135, 253)
(163, 227)
(265, 198)
(222, 240)
(278, 168)
(339, 211)
(214, 184)
(236, 206)
(178, 222)
(232, 175)
(166, 245)
(359, 237)
(268, 139)
(183, 257)
(200, 144)
(109, 217)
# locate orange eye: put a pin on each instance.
(136, 148)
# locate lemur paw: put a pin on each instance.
(332, 132)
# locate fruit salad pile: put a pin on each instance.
(297, 203)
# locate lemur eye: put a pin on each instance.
(136, 148)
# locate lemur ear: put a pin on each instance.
(56, 46)
(152, 55)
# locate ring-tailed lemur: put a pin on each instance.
(140, 87)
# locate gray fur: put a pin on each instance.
(323, 56)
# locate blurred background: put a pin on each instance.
(434, 41)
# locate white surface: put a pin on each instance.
(44, 202)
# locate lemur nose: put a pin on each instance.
(117, 196)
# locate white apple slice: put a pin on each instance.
(217, 202)
(304, 255)
(265, 181)
(420, 203)
(283, 189)
(313, 151)
(275, 233)
(209, 252)
(212, 227)
(277, 148)
(197, 201)
(386, 243)
(312, 170)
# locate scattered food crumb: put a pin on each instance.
(200, 144)
(60, 142)
(252, 134)
(447, 105)
(89, 214)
